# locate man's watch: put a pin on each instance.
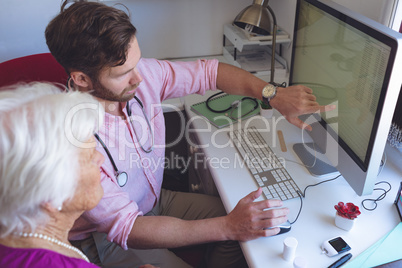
(268, 93)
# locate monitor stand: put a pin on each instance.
(310, 155)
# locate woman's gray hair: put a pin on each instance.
(41, 132)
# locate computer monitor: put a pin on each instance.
(356, 64)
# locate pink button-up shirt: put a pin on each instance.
(120, 206)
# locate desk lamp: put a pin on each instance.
(255, 18)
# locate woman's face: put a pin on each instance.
(89, 190)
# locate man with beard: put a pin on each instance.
(137, 221)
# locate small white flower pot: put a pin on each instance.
(267, 113)
(344, 223)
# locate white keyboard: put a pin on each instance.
(264, 165)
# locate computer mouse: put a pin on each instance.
(285, 227)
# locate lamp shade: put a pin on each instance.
(256, 15)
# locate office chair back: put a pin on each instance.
(38, 67)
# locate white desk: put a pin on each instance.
(316, 222)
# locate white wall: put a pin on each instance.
(182, 28)
(22, 26)
(170, 28)
(378, 10)
(166, 28)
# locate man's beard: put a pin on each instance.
(101, 92)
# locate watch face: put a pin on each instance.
(268, 91)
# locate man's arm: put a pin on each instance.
(290, 102)
(247, 221)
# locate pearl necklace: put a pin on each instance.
(55, 241)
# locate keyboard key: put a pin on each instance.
(253, 170)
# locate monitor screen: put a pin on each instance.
(350, 61)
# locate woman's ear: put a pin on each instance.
(81, 80)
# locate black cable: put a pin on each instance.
(312, 185)
(303, 195)
(301, 205)
(379, 198)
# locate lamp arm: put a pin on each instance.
(275, 29)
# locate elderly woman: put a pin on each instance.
(49, 173)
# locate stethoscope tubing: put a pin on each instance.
(128, 108)
(232, 107)
(122, 176)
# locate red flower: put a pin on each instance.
(350, 211)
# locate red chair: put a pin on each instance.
(38, 67)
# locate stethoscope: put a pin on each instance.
(122, 176)
(128, 108)
(232, 106)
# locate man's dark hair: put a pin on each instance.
(89, 36)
